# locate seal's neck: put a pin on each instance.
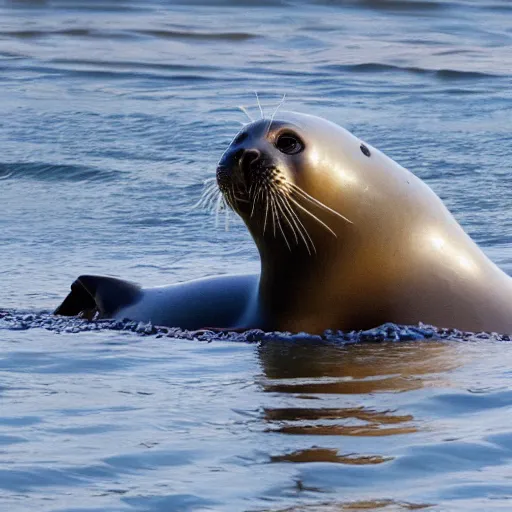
(290, 281)
(298, 264)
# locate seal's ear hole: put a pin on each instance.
(365, 150)
(289, 144)
(240, 137)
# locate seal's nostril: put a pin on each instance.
(237, 160)
(250, 157)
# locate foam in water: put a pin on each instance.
(16, 320)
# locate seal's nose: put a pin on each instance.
(247, 161)
(240, 162)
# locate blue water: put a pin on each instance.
(112, 113)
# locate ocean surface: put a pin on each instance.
(112, 114)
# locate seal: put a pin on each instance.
(348, 239)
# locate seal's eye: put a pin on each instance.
(289, 144)
(240, 137)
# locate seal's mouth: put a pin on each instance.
(243, 177)
(251, 186)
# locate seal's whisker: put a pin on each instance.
(206, 192)
(290, 216)
(256, 193)
(210, 187)
(272, 209)
(296, 203)
(306, 196)
(279, 200)
(207, 197)
(259, 105)
(210, 183)
(274, 113)
(209, 207)
(266, 210)
(226, 222)
(223, 205)
(244, 110)
(300, 226)
(235, 197)
(304, 229)
(232, 196)
(229, 199)
(291, 223)
(278, 222)
(217, 209)
(240, 199)
(253, 203)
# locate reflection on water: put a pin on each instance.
(355, 506)
(327, 455)
(329, 385)
(410, 362)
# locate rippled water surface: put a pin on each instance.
(112, 113)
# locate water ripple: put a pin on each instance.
(54, 172)
(127, 34)
(199, 36)
(393, 5)
(442, 74)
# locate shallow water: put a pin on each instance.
(111, 116)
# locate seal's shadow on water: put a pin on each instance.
(332, 386)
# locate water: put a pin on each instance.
(111, 116)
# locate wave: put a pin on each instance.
(134, 65)
(36, 34)
(53, 172)
(129, 34)
(374, 67)
(390, 5)
(81, 5)
(156, 71)
(207, 36)
(120, 71)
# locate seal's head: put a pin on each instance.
(277, 175)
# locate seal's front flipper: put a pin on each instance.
(98, 294)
